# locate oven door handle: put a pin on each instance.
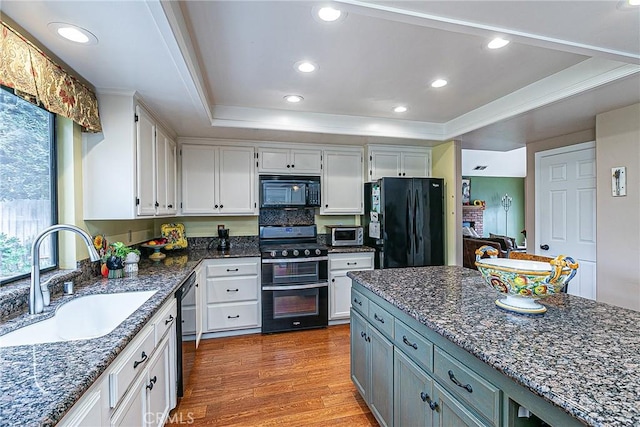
(295, 287)
(294, 260)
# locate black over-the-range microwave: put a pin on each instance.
(287, 191)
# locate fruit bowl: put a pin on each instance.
(156, 255)
(522, 282)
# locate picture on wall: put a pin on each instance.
(466, 191)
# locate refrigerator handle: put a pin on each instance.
(416, 218)
(409, 223)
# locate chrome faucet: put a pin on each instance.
(39, 293)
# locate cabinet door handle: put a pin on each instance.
(221, 206)
(293, 166)
(143, 357)
(152, 381)
(232, 290)
(288, 166)
(216, 206)
(157, 204)
(170, 206)
(333, 280)
(379, 319)
(352, 263)
(425, 398)
(409, 343)
(169, 320)
(355, 300)
(232, 269)
(237, 316)
(458, 383)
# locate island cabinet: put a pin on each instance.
(398, 161)
(232, 297)
(340, 285)
(130, 168)
(218, 180)
(433, 382)
(289, 160)
(139, 387)
(342, 189)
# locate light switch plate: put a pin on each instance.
(619, 181)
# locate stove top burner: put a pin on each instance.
(278, 242)
(293, 250)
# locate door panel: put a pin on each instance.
(429, 222)
(395, 196)
(566, 212)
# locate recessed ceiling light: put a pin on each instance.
(400, 109)
(329, 14)
(497, 43)
(306, 66)
(439, 83)
(73, 33)
(293, 98)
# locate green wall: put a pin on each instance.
(491, 190)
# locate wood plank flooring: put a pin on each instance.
(288, 379)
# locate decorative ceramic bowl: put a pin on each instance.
(522, 282)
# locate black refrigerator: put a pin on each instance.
(404, 221)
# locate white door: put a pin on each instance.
(566, 211)
(384, 163)
(198, 179)
(237, 181)
(146, 173)
(415, 165)
(342, 189)
(306, 161)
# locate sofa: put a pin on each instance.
(470, 244)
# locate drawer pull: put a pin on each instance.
(425, 398)
(352, 263)
(169, 320)
(138, 362)
(458, 383)
(152, 381)
(232, 269)
(409, 343)
(364, 335)
(379, 319)
(355, 300)
(232, 290)
(237, 316)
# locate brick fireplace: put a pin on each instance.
(475, 215)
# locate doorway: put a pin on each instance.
(565, 210)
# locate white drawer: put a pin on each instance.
(131, 363)
(232, 289)
(351, 262)
(236, 267)
(233, 316)
(165, 318)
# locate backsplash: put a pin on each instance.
(301, 216)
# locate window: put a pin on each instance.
(27, 185)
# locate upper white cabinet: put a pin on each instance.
(218, 180)
(342, 183)
(395, 161)
(299, 161)
(129, 169)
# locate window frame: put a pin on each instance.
(53, 189)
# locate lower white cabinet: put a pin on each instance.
(340, 284)
(232, 296)
(139, 387)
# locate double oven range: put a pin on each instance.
(294, 279)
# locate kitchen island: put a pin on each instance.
(578, 363)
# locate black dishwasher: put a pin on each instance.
(185, 336)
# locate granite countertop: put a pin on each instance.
(581, 355)
(41, 382)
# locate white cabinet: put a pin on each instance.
(218, 180)
(398, 161)
(87, 412)
(142, 379)
(128, 172)
(340, 284)
(232, 299)
(289, 160)
(342, 182)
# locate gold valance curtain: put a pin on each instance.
(34, 76)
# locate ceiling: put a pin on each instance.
(222, 68)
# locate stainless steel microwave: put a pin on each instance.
(285, 191)
(345, 235)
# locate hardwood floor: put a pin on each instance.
(293, 379)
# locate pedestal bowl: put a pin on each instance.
(522, 282)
